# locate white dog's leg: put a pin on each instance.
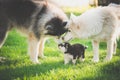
(33, 45)
(109, 55)
(41, 47)
(95, 45)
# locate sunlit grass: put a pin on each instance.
(17, 66)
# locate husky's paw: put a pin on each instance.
(2, 59)
(37, 62)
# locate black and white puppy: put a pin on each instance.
(72, 52)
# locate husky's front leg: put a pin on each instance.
(110, 44)
(33, 46)
(95, 45)
(41, 47)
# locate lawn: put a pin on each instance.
(16, 65)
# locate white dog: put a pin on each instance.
(98, 24)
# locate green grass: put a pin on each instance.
(16, 64)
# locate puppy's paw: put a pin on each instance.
(66, 62)
(74, 61)
(82, 60)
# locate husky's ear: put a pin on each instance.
(49, 27)
(72, 17)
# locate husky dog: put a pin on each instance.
(72, 52)
(37, 19)
(98, 24)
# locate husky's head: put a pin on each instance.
(55, 27)
(51, 20)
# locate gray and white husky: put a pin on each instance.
(37, 19)
(98, 24)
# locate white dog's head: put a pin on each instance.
(72, 27)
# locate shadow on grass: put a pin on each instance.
(105, 71)
(12, 72)
(110, 71)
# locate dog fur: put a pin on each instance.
(72, 52)
(98, 24)
(36, 19)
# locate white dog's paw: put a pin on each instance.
(36, 61)
(114, 53)
(95, 60)
(108, 58)
(42, 56)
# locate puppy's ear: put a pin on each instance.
(67, 44)
(72, 17)
(49, 27)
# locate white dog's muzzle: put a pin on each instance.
(67, 37)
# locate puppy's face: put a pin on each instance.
(63, 47)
